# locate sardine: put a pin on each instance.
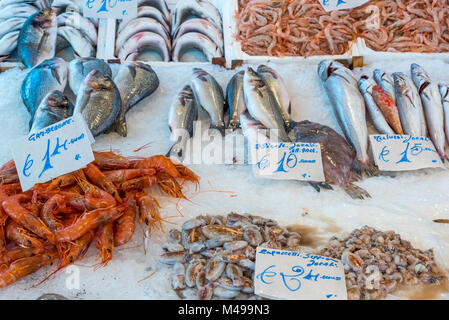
(409, 104)
(235, 100)
(385, 81)
(349, 107)
(182, 114)
(209, 96)
(80, 44)
(140, 25)
(195, 8)
(76, 20)
(366, 88)
(8, 43)
(433, 107)
(37, 38)
(135, 81)
(53, 108)
(444, 91)
(17, 10)
(98, 101)
(10, 25)
(148, 12)
(160, 5)
(389, 109)
(49, 76)
(279, 90)
(197, 41)
(202, 26)
(143, 41)
(261, 104)
(81, 67)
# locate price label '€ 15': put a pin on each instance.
(53, 151)
(110, 9)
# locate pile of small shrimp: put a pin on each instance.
(56, 221)
(304, 28)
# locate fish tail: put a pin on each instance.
(120, 127)
(355, 192)
(369, 170)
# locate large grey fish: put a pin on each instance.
(385, 81)
(202, 26)
(8, 43)
(160, 5)
(81, 44)
(98, 101)
(209, 96)
(366, 88)
(197, 41)
(76, 20)
(142, 41)
(16, 10)
(54, 108)
(181, 116)
(10, 25)
(146, 12)
(433, 107)
(261, 103)
(195, 8)
(339, 160)
(341, 87)
(37, 38)
(49, 76)
(235, 100)
(409, 104)
(279, 90)
(81, 67)
(135, 81)
(444, 91)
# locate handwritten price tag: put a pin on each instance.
(53, 151)
(330, 5)
(291, 275)
(114, 9)
(403, 152)
(288, 161)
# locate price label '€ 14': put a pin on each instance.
(53, 151)
(110, 9)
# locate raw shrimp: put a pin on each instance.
(111, 161)
(11, 255)
(149, 216)
(125, 225)
(187, 174)
(139, 183)
(97, 177)
(22, 237)
(105, 242)
(62, 181)
(119, 176)
(95, 196)
(8, 174)
(169, 185)
(160, 163)
(52, 207)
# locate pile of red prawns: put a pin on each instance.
(56, 222)
(304, 28)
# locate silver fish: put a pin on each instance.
(366, 88)
(98, 101)
(17, 10)
(10, 25)
(202, 26)
(135, 81)
(143, 41)
(49, 76)
(261, 104)
(444, 91)
(80, 44)
(209, 96)
(178, 276)
(81, 67)
(409, 104)
(8, 43)
(349, 107)
(53, 108)
(385, 81)
(182, 114)
(197, 8)
(235, 100)
(279, 90)
(4, 3)
(37, 38)
(160, 5)
(433, 107)
(148, 12)
(197, 41)
(76, 20)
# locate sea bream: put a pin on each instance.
(202, 26)
(49, 76)
(142, 41)
(197, 41)
(81, 67)
(53, 108)
(135, 81)
(433, 107)
(148, 12)
(182, 114)
(235, 100)
(444, 90)
(366, 88)
(386, 81)
(195, 8)
(98, 101)
(409, 104)
(340, 85)
(81, 45)
(37, 38)
(209, 96)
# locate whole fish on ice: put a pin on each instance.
(195, 8)
(8, 43)
(81, 45)
(146, 12)
(11, 25)
(202, 26)
(81, 67)
(386, 81)
(17, 10)
(142, 41)
(76, 20)
(197, 41)
(160, 5)
(389, 109)
(235, 100)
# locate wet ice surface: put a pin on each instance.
(406, 204)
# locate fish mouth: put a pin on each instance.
(325, 69)
(46, 18)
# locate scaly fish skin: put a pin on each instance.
(81, 67)
(53, 108)
(198, 8)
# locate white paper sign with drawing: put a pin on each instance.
(110, 9)
(330, 5)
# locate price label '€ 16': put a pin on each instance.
(53, 151)
(110, 9)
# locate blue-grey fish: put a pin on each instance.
(81, 67)
(54, 108)
(76, 20)
(197, 41)
(17, 10)
(81, 44)
(385, 81)
(8, 43)
(142, 41)
(195, 8)
(160, 5)
(202, 26)
(235, 100)
(10, 25)
(146, 12)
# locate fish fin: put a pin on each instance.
(326, 186)
(369, 170)
(356, 192)
(315, 185)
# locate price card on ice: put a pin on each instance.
(112, 9)
(330, 5)
(404, 152)
(288, 161)
(293, 275)
(53, 151)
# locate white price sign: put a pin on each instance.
(288, 161)
(404, 152)
(53, 151)
(330, 5)
(292, 275)
(112, 9)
